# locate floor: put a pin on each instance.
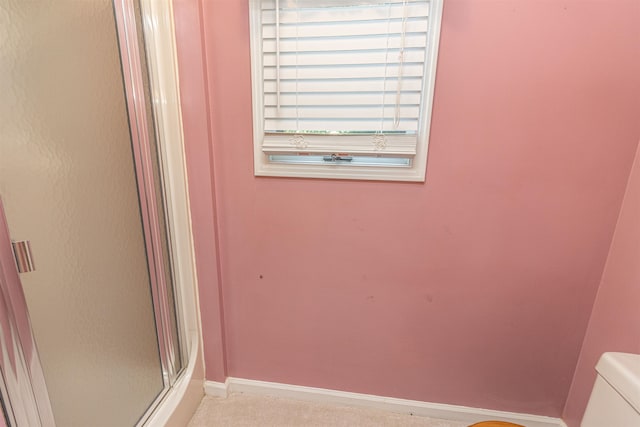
(244, 410)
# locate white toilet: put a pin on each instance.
(615, 398)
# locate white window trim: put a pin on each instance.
(417, 171)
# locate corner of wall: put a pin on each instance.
(571, 405)
(195, 102)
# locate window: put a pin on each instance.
(343, 88)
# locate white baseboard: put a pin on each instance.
(403, 406)
(216, 389)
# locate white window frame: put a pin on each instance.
(415, 172)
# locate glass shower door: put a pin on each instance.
(69, 183)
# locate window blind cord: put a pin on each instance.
(297, 50)
(386, 66)
(396, 116)
(278, 55)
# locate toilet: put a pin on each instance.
(615, 398)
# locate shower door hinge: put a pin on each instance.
(24, 258)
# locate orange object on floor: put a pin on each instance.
(495, 424)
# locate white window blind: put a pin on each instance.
(343, 76)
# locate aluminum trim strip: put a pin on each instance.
(132, 75)
(24, 387)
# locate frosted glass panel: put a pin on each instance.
(68, 183)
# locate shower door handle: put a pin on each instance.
(23, 255)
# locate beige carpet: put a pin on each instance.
(243, 410)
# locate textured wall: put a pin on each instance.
(473, 288)
(67, 180)
(615, 321)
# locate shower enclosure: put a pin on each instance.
(93, 335)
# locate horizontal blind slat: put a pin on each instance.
(351, 112)
(338, 125)
(315, 4)
(402, 145)
(352, 84)
(305, 16)
(344, 58)
(321, 4)
(338, 44)
(344, 98)
(341, 72)
(352, 29)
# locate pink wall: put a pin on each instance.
(615, 321)
(474, 288)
